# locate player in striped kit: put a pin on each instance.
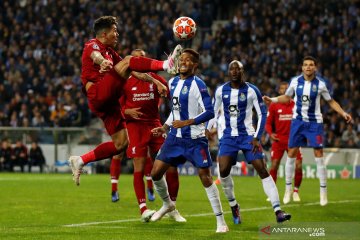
(238, 99)
(186, 141)
(307, 122)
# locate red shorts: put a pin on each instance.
(141, 139)
(103, 99)
(278, 148)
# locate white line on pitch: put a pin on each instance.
(209, 214)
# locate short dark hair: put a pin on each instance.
(104, 23)
(310, 58)
(195, 54)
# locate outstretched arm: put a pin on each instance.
(280, 99)
(147, 78)
(335, 105)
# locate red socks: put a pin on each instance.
(115, 169)
(298, 178)
(172, 179)
(273, 174)
(143, 64)
(139, 188)
(102, 151)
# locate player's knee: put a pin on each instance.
(224, 170)
(121, 146)
(155, 176)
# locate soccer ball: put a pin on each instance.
(184, 28)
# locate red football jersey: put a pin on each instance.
(142, 94)
(89, 69)
(279, 120)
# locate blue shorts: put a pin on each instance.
(230, 146)
(304, 134)
(176, 151)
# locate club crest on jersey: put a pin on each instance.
(95, 46)
(184, 90)
(151, 87)
(226, 96)
(242, 97)
(314, 88)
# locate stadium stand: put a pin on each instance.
(41, 44)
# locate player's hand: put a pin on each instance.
(134, 112)
(162, 89)
(347, 117)
(267, 100)
(207, 134)
(158, 131)
(210, 134)
(105, 66)
(256, 145)
(274, 137)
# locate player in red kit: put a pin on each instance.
(140, 105)
(103, 76)
(278, 127)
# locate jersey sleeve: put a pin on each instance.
(91, 47)
(204, 100)
(325, 92)
(291, 89)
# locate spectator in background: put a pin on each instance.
(20, 155)
(5, 155)
(349, 137)
(36, 157)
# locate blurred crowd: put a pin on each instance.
(41, 46)
(12, 155)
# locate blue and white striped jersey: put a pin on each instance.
(237, 106)
(307, 98)
(190, 100)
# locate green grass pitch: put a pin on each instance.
(50, 206)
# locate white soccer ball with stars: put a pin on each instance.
(184, 28)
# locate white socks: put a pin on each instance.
(321, 173)
(162, 189)
(227, 184)
(214, 198)
(271, 191)
(289, 172)
(166, 65)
